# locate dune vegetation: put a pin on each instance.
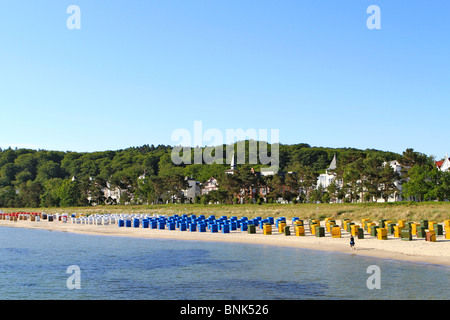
(410, 211)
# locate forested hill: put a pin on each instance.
(18, 166)
(26, 175)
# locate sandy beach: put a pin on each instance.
(417, 250)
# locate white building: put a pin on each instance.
(265, 172)
(112, 195)
(395, 165)
(444, 165)
(210, 185)
(325, 179)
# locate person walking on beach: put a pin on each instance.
(352, 242)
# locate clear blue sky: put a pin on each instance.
(138, 70)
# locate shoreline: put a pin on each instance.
(417, 250)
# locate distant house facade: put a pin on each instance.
(194, 190)
(265, 172)
(112, 194)
(210, 185)
(443, 165)
(263, 191)
(327, 178)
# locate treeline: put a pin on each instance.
(33, 178)
(366, 179)
(422, 180)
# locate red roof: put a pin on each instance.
(439, 163)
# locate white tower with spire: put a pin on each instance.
(233, 166)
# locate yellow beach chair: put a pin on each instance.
(299, 231)
(382, 234)
(281, 226)
(313, 229)
(447, 232)
(398, 231)
(335, 232)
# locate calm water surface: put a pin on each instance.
(33, 265)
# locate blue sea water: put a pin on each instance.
(33, 265)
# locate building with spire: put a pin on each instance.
(325, 179)
(233, 166)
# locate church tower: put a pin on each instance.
(233, 166)
(333, 164)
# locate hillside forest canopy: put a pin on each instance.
(42, 178)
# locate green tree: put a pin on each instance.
(27, 162)
(443, 188)
(248, 181)
(50, 197)
(333, 190)
(29, 194)
(219, 196)
(352, 180)
(49, 170)
(316, 195)
(388, 177)
(418, 184)
(175, 183)
(231, 184)
(411, 158)
(23, 177)
(7, 197)
(276, 186)
(94, 190)
(145, 190)
(71, 163)
(204, 199)
(434, 180)
(293, 184)
(307, 180)
(69, 194)
(373, 167)
(7, 174)
(325, 198)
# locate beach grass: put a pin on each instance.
(410, 211)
